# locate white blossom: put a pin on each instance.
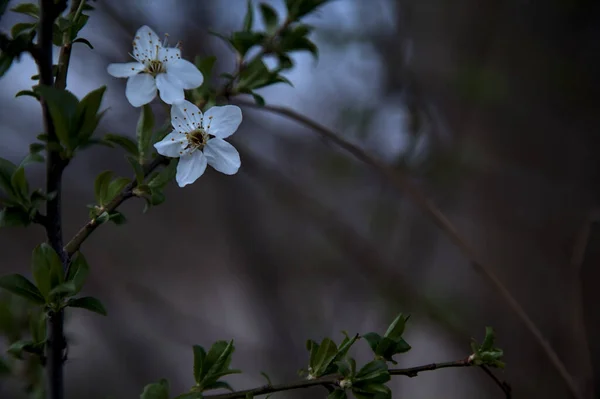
(156, 67)
(197, 140)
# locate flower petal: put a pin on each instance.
(185, 117)
(125, 70)
(169, 55)
(187, 73)
(222, 156)
(169, 88)
(140, 90)
(145, 44)
(172, 145)
(190, 168)
(223, 121)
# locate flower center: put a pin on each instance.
(154, 67)
(197, 139)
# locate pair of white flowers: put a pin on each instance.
(197, 138)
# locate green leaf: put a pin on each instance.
(344, 369)
(269, 16)
(6, 61)
(37, 327)
(244, 41)
(78, 271)
(145, 127)
(216, 364)
(62, 24)
(31, 158)
(323, 357)
(167, 174)
(296, 40)
(20, 185)
(488, 341)
(373, 340)
(78, 25)
(28, 9)
(63, 290)
(300, 8)
(7, 169)
(21, 27)
(28, 93)
(101, 186)
(47, 269)
(260, 101)
(199, 356)
(117, 218)
(63, 107)
(249, 18)
(255, 75)
(16, 349)
(285, 62)
(122, 141)
(137, 168)
(375, 372)
(87, 302)
(157, 390)
(116, 186)
(377, 391)
(19, 285)
(396, 329)
(87, 114)
(14, 216)
(337, 394)
(84, 41)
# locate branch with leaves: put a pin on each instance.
(330, 367)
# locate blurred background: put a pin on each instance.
(492, 107)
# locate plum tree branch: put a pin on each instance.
(75, 243)
(334, 379)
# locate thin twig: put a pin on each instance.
(502, 384)
(334, 379)
(83, 233)
(402, 182)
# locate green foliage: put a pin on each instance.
(130, 146)
(106, 189)
(30, 9)
(157, 390)
(78, 272)
(486, 354)
(210, 367)
(74, 121)
(21, 286)
(145, 128)
(87, 302)
(20, 204)
(392, 342)
(299, 8)
(323, 356)
(152, 192)
(270, 18)
(48, 272)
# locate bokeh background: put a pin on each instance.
(492, 107)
